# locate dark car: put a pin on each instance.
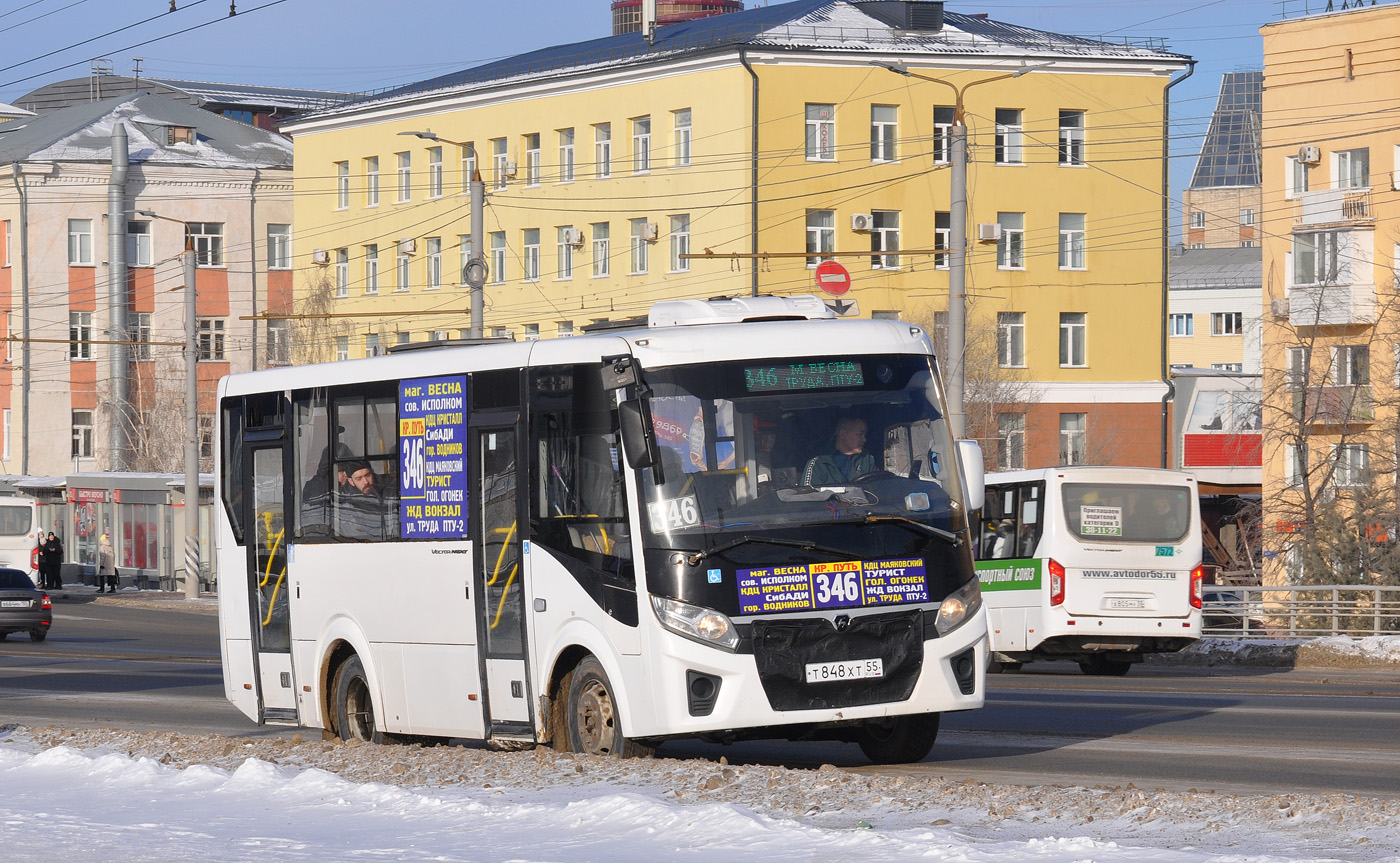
(23, 607)
(1226, 611)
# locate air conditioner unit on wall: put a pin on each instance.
(862, 222)
(508, 169)
(320, 256)
(1309, 154)
(988, 232)
(1278, 308)
(573, 237)
(408, 246)
(650, 232)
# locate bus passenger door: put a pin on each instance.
(500, 572)
(267, 582)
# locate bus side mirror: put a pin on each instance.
(974, 473)
(638, 436)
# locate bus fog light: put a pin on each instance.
(959, 607)
(704, 625)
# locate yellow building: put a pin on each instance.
(1331, 249)
(776, 131)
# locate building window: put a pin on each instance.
(564, 253)
(342, 273)
(821, 133)
(565, 329)
(1011, 248)
(884, 237)
(531, 332)
(405, 175)
(531, 259)
(1353, 168)
(1246, 218)
(602, 250)
(566, 155)
(371, 344)
(1008, 136)
(1299, 361)
(680, 243)
(80, 242)
(80, 335)
(1351, 365)
(1011, 441)
(1182, 324)
(942, 240)
(279, 247)
(403, 338)
(639, 246)
(1315, 259)
(464, 256)
(1073, 438)
(1071, 241)
(279, 343)
(1226, 323)
(206, 437)
(821, 234)
(602, 150)
(532, 159)
(884, 133)
(468, 166)
(1198, 219)
(1295, 469)
(402, 280)
(342, 347)
(139, 325)
(1352, 459)
(1228, 367)
(1071, 137)
(1296, 178)
(211, 339)
(681, 119)
(943, 134)
(342, 185)
(500, 162)
(1073, 335)
(434, 261)
(641, 145)
(434, 172)
(372, 268)
(82, 434)
(1247, 244)
(498, 257)
(138, 244)
(1011, 339)
(208, 243)
(372, 181)
(1198, 245)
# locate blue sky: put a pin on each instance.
(363, 45)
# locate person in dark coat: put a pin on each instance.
(51, 562)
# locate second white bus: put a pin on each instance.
(1098, 565)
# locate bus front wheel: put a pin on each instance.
(901, 740)
(590, 715)
(354, 706)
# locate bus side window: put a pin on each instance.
(231, 482)
(312, 491)
(1029, 529)
(998, 524)
(364, 477)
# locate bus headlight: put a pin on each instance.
(698, 624)
(959, 607)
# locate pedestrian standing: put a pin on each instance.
(51, 562)
(106, 565)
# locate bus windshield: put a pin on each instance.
(1113, 512)
(799, 445)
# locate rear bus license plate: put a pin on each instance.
(1124, 604)
(828, 672)
(14, 603)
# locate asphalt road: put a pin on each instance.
(156, 667)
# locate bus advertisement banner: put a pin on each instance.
(1019, 574)
(433, 457)
(842, 584)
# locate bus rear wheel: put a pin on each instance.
(354, 706)
(590, 715)
(901, 740)
(1100, 665)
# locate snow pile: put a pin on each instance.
(1335, 651)
(104, 795)
(1343, 650)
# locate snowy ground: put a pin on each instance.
(106, 795)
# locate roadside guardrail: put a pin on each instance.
(1231, 611)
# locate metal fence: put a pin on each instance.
(1300, 612)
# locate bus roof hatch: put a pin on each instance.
(686, 313)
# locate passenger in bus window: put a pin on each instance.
(848, 462)
(367, 511)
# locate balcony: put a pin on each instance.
(1335, 207)
(1335, 405)
(1331, 305)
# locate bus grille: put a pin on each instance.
(783, 648)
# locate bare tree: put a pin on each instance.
(314, 332)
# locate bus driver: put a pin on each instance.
(848, 462)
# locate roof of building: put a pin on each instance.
(833, 25)
(1232, 151)
(83, 133)
(1214, 269)
(8, 112)
(73, 91)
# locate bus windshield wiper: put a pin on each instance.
(946, 535)
(805, 545)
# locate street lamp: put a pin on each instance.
(957, 237)
(192, 568)
(476, 269)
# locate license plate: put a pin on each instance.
(829, 672)
(1127, 603)
(14, 603)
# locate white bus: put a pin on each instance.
(19, 535)
(1099, 565)
(603, 542)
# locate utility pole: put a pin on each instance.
(476, 269)
(119, 387)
